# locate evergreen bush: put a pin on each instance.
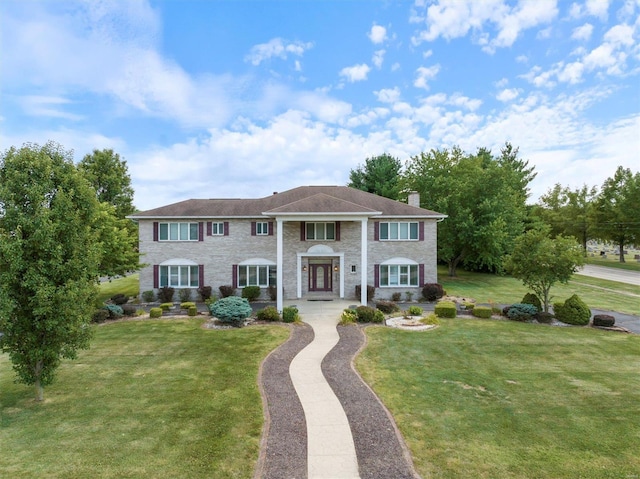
(155, 312)
(100, 316)
(290, 314)
(415, 311)
(251, 292)
(270, 313)
(114, 310)
(572, 311)
(531, 298)
(366, 314)
(445, 309)
(432, 291)
(166, 306)
(187, 304)
(148, 296)
(232, 309)
(484, 312)
(522, 312)
(192, 311)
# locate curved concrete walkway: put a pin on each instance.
(331, 452)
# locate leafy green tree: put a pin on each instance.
(483, 196)
(50, 253)
(616, 211)
(109, 176)
(569, 212)
(379, 175)
(540, 261)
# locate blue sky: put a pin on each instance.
(216, 99)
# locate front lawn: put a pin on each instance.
(153, 398)
(489, 399)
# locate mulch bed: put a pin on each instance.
(283, 452)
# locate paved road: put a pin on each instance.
(612, 274)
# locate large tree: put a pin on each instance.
(379, 175)
(568, 212)
(109, 176)
(616, 211)
(541, 261)
(483, 196)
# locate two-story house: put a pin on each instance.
(308, 242)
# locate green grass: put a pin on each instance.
(597, 293)
(630, 264)
(499, 399)
(128, 285)
(161, 399)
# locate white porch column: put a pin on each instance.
(299, 277)
(363, 261)
(342, 275)
(279, 263)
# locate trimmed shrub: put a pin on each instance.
(99, 316)
(378, 317)
(232, 310)
(115, 311)
(165, 294)
(184, 295)
(119, 299)
(148, 296)
(445, 309)
(129, 309)
(531, 298)
(371, 291)
(187, 304)
(226, 291)
(572, 311)
(270, 313)
(522, 312)
(192, 311)
(204, 292)
(387, 307)
(166, 306)
(290, 314)
(251, 292)
(366, 314)
(604, 320)
(432, 291)
(395, 297)
(483, 312)
(155, 312)
(415, 311)
(349, 316)
(545, 318)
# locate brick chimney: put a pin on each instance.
(414, 199)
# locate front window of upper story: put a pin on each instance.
(217, 228)
(178, 232)
(321, 231)
(262, 228)
(399, 231)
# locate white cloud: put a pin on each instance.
(278, 48)
(378, 58)
(388, 95)
(507, 94)
(48, 106)
(424, 74)
(427, 54)
(378, 34)
(583, 32)
(356, 72)
(594, 8)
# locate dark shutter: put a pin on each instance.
(421, 275)
(156, 282)
(253, 228)
(337, 231)
(376, 231)
(200, 231)
(155, 231)
(234, 276)
(208, 228)
(376, 275)
(226, 228)
(270, 228)
(303, 232)
(421, 230)
(200, 275)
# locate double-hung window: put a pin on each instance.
(179, 276)
(321, 231)
(399, 231)
(256, 275)
(178, 232)
(217, 229)
(262, 228)
(398, 275)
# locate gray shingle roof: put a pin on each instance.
(304, 199)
